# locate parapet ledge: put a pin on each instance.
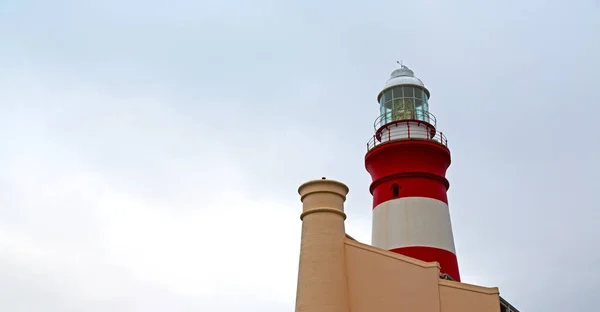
(470, 287)
(350, 238)
(352, 242)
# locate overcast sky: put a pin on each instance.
(152, 150)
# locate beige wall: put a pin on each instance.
(338, 274)
(379, 280)
(459, 297)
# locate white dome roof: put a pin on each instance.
(404, 80)
(403, 76)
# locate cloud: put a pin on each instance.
(78, 206)
(151, 151)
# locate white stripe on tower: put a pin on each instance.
(412, 221)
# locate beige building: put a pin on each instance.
(339, 274)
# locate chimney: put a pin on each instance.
(322, 281)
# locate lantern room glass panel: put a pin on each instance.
(402, 103)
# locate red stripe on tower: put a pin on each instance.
(407, 159)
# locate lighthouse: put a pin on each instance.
(411, 263)
(407, 158)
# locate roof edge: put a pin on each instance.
(470, 287)
(390, 254)
(350, 237)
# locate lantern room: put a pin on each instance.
(404, 97)
(404, 111)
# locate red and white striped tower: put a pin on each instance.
(407, 159)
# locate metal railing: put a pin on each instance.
(387, 135)
(506, 307)
(404, 114)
